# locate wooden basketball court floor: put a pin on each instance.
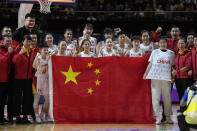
(95, 127)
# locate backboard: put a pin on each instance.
(66, 2)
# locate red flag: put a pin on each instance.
(100, 90)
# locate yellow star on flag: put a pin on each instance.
(70, 75)
(97, 82)
(97, 71)
(90, 64)
(90, 91)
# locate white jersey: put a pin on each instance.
(70, 47)
(82, 54)
(132, 53)
(52, 50)
(66, 53)
(105, 53)
(42, 77)
(120, 50)
(92, 45)
(161, 65)
(147, 49)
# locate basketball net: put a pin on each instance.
(45, 6)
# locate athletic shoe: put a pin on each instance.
(25, 120)
(10, 121)
(38, 120)
(3, 121)
(163, 119)
(157, 121)
(43, 119)
(168, 121)
(49, 120)
(18, 120)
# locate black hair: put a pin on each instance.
(68, 29)
(121, 33)
(182, 39)
(191, 33)
(33, 34)
(43, 46)
(26, 37)
(108, 31)
(30, 15)
(144, 31)
(108, 38)
(88, 25)
(48, 33)
(85, 41)
(6, 36)
(4, 28)
(163, 38)
(136, 37)
(175, 26)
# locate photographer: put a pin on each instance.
(187, 115)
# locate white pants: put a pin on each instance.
(159, 87)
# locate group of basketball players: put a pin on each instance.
(23, 59)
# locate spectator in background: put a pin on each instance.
(28, 28)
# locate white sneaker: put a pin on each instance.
(168, 121)
(43, 118)
(38, 120)
(49, 120)
(157, 121)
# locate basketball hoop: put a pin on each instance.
(45, 6)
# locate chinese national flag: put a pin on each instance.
(99, 90)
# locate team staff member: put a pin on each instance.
(190, 41)
(8, 31)
(172, 42)
(5, 66)
(182, 66)
(23, 62)
(194, 60)
(28, 28)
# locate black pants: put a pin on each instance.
(10, 104)
(23, 96)
(181, 85)
(3, 96)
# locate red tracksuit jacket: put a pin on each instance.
(23, 65)
(183, 60)
(194, 63)
(172, 44)
(5, 64)
(13, 45)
